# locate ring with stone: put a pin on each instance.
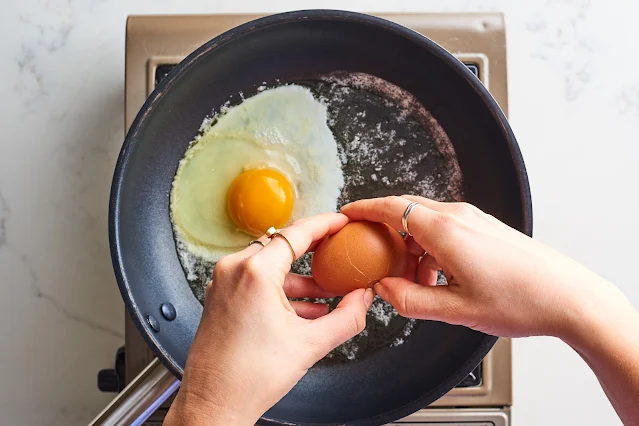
(270, 231)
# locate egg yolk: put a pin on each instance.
(259, 199)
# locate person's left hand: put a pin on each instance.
(253, 344)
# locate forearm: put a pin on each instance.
(608, 340)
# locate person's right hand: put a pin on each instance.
(500, 281)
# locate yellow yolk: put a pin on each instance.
(259, 199)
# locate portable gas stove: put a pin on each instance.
(155, 44)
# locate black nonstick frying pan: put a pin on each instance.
(296, 46)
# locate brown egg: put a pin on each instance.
(358, 256)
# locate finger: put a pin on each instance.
(252, 249)
(413, 246)
(411, 267)
(300, 235)
(314, 245)
(296, 285)
(347, 320)
(438, 206)
(422, 221)
(427, 271)
(412, 300)
(310, 310)
(461, 209)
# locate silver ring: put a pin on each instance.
(407, 212)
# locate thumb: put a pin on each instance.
(345, 321)
(412, 300)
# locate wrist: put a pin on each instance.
(190, 408)
(219, 396)
(600, 312)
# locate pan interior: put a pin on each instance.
(392, 382)
(387, 144)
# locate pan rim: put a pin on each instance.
(283, 19)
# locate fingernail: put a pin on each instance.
(368, 297)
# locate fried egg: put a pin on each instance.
(265, 162)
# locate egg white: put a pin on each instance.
(282, 128)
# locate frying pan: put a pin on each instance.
(295, 46)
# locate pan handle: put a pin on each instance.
(154, 385)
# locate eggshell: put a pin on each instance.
(358, 256)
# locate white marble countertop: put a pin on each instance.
(574, 103)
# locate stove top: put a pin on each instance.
(155, 44)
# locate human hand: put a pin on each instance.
(253, 344)
(500, 281)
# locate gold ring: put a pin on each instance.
(256, 242)
(277, 234)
